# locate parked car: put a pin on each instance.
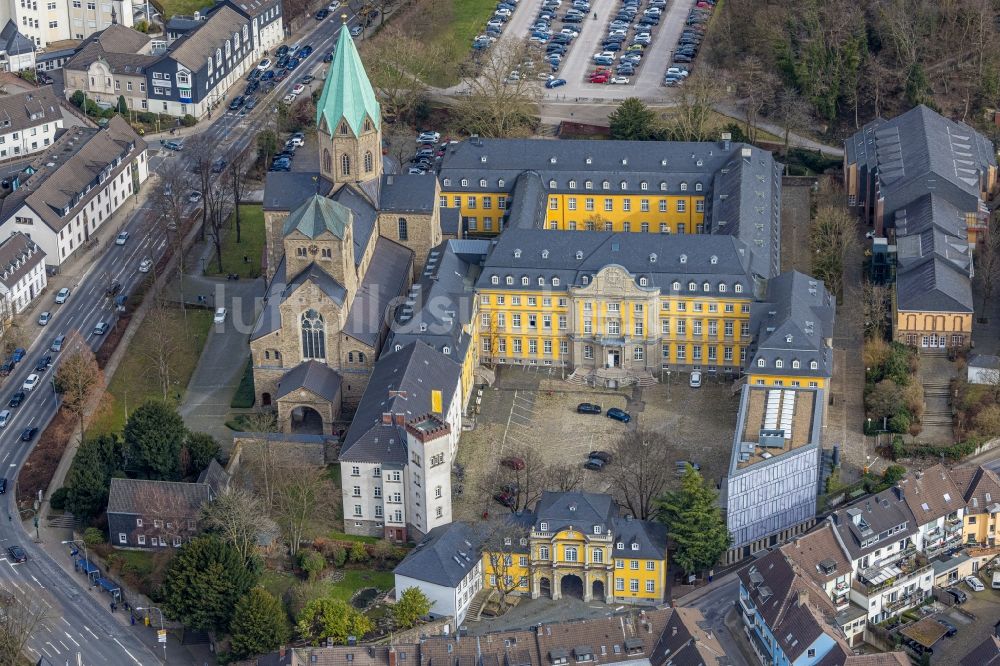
(62, 295)
(4, 420)
(603, 456)
(236, 103)
(680, 467)
(282, 51)
(220, 315)
(16, 399)
(101, 328)
(17, 554)
(266, 62)
(695, 380)
(145, 265)
(31, 381)
(957, 594)
(121, 238)
(619, 415)
(58, 343)
(506, 499)
(429, 137)
(951, 629)
(29, 433)
(173, 145)
(194, 197)
(514, 463)
(555, 83)
(595, 464)
(588, 408)
(974, 583)
(43, 363)
(322, 14)
(44, 318)
(356, 30)
(3, 486)
(18, 354)
(220, 164)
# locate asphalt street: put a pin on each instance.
(79, 627)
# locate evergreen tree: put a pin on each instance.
(97, 461)
(259, 624)
(122, 105)
(633, 121)
(203, 583)
(200, 449)
(410, 607)
(694, 523)
(331, 618)
(154, 435)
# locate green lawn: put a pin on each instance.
(278, 583)
(182, 7)
(468, 19)
(251, 245)
(140, 559)
(136, 379)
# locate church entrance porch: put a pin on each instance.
(305, 420)
(571, 585)
(598, 590)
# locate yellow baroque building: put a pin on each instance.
(576, 544)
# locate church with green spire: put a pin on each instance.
(343, 243)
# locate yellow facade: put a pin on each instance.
(934, 329)
(587, 210)
(786, 380)
(981, 528)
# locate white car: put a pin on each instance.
(145, 265)
(606, 54)
(297, 140)
(679, 71)
(4, 418)
(429, 137)
(32, 381)
(297, 90)
(288, 99)
(121, 238)
(356, 30)
(333, 6)
(695, 381)
(220, 315)
(264, 65)
(972, 581)
(618, 79)
(194, 197)
(62, 295)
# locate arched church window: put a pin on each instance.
(344, 129)
(345, 165)
(403, 231)
(368, 124)
(327, 161)
(313, 335)
(368, 162)
(361, 357)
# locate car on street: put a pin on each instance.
(29, 433)
(121, 238)
(356, 30)
(18, 354)
(282, 51)
(4, 420)
(506, 499)
(44, 318)
(220, 164)
(304, 52)
(3, 486)
(194, 197)
(236, 103)
(619, 415)
(588, 408)
(514, 463)
(16, 399)
(43, 363)
(101, 328)
(322, 14)
(30, 382)
(288, 99)
(595, 464)
(145, 265)
(264, 64)
(17, 554)
(957, 594)
(297, 89)
(695, 380)
(220, 315)
(173, 145)
(328, 57)
(428, 137)
(57, 344)
(974, 583)
(62, 295)
(297, 139)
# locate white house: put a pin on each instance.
(17, 52)
(447, 567)
(983, 369)
(59, 20)
(22, 273)
(938, 508)
(28, 122)
(75, 187)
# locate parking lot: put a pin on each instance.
(985, 607)
(529, 410)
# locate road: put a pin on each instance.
(714, 606)
(79, 624)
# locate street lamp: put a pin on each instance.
(163, 631)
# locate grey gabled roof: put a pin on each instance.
(661, 258)
(932, 284)
(19, 255)
(315, 274)
(401, 383)
(984, 361)
(930, 211)
(385, 280)
(318, 215)
(407, 193)
(364, 216)
(215, 477)
(141, 496)
(287, 190)
(313, 376)
(875, 514)
(29, 109)
(527, 208)
(445, 556)
(12, 42)
(792, 324)
(649, 536)
(583, 511)
(194, 48)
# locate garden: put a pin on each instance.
(894, 400)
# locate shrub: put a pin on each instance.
(359, 553)
(312, 563)
(146, 117)
(188, 120)
(900, 422)
(58, 499)
(338, 555)
(93, 536)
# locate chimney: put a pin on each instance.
(392, 656)
(388, 179)
(726, 138)
(400, 419)
(803, 598)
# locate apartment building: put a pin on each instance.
(29, 122)
(75, 187)
(46, 21)
(22, 275)
(981, 517)
(112, 64)
(938, 509)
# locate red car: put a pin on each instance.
(603, 78)
(505, 499)
(513, 463)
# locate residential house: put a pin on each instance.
(43, 23)
(938, 509)
(880, 534)
(29, 121)
(446, 566)
(983, 369)
(920, 174)
(773, 479)
(981, 492)
(145, 514)
(75, 187)
(112, 64)
(17, 52)
(23, 275)
(986, 653)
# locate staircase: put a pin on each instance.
(546, 129)
(64, 520)
(475, 612)
(580, 377)
(934, 351)
(937, 404)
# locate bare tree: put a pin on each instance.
(988, 268)
(527, 482)
(162, 345)
(398, 65)
(21, 614)
(236, 180)
(398, 138)
(241, 518)
(260, 454)
(496, 104)
(875, 308)
(563, 477)
(833, 238)
(203, 156)
(15, 336)
(78, 377)
(504, 541)
(693, 117)
(217, 202)
(791, 111)
(756, 87)
(639, 471)
(303, 494)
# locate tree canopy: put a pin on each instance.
(331, 618)
(97, 461)
(634, 121)
(411, 605)
(259, 624)
(155, 434)
(694, 523)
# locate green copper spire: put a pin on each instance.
(347, 94)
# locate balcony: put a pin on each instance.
(875, 579)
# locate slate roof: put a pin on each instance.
(408, 193)
(874, 515)
(649, 536)
(12, 42)
(930, 211)
(80, 155)
(932, 284)
(141, 496)
(583, 511)
(315, 274)
(819, 555)
(215, 477)
(986, 653)
(364, 216)
(287, 190)
(988, 361)
(317, 215)
(29, 109)
(313, 376)
(384, 281)
(193, 49)
(347, 94)
(451, 222)
(126, 51)
(401, 383)
(661, 258)
(445, 556)
(982, 492)
(182, 24)
(931, 494)
(19, 255)
(528, 205)
(793, 323)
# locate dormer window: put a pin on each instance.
(722, 287)
(624, 185)
(663, 186)
(500, 183)
(597, 529)
(589, 160)
(684, 187)
(555, 282)
(545, 254)
(652, 258)
(795, 365)
(552, 185)
(676, 286)
(552, 160)
(605, 185)
(447, 182)
(714, 259)
(697, 187)
(779, 364)
(482, 182)
(465, 182)
(620, 546)
(643, 186)
(588, 185)
(635, 546)
(495, 279)
(541, 282)
(517, 253)
(510, 280)
(813, 365)
(543, 527)
(738, 289)
(706, 287)
(586, 279)
(643, 282)
(761, 363)
(684, 258)
(572, 184)
(446, 351)
(524, 280)
(579, 255)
